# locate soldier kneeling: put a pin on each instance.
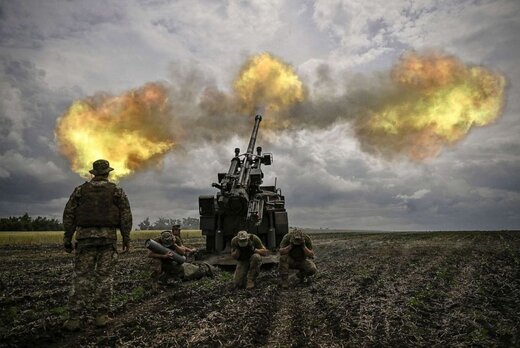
(295, 252)
(168, 266)
(248, 250)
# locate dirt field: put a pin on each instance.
(400, 289)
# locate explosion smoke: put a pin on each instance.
(132, 130)
(427, 101)
(267, 82)
(434, 101)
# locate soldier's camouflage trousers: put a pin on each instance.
(93, 277)
(306, 267)
(248, 269)
(186, 271)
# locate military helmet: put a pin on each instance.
(176, 230)
(243, 238)
(167, 238)
(100, 167)
(297, 237)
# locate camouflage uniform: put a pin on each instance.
(248, 262)
(164, 268)
(95, 256)
(178, 240)
(296, 259)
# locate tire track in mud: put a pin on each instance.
(297, 320)
(435, 289)
(304, 317)
(243, 318)
(288, 319)
(208, 313)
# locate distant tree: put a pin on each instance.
(190, 223)
(145, 224)
(44, 224)
(166, 223)
(162, 224)
(27, 223)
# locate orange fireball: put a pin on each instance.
(131, 130)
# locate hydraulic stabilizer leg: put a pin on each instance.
(219, 236)
(271, 233)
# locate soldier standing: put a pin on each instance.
(248, 250)
(94, 212)
(167, 266)
(295, 253)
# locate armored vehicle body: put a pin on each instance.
(242, 203)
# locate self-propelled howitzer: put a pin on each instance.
(242, 203)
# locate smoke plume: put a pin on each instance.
(434, 100)
(132, 130)
(426, 102)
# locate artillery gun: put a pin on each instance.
(242, 203)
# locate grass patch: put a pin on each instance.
(143, 235)
(56, 237)
(9, 315)
(136, 294)
(225, 276)
(60, 311)
(23, 238)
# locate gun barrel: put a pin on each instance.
(252, 140)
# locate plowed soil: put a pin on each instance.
(379, 289)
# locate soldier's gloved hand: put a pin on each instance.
(126, 247)
(253, 247)
(169, 255)
(68, 247)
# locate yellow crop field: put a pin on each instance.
(52, 237)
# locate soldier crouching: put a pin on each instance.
(94, 212)
(165, 265)
(295, 253)
(248, 250)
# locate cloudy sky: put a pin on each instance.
(55, 52)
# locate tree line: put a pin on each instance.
(166, 223)
(27, 223)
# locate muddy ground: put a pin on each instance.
(400, 289)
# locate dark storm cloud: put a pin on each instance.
(351, 190)
(23, 25)
(30, 170)
(495, 175)
(29, 106)
(33, 190)
(326, 179)
(14, 32)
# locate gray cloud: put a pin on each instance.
(31, 173)
(48, 49)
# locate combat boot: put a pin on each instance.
(284, 281)
(102, 320)
(250, 284)
(71, 325)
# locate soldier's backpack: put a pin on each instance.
(97, 206)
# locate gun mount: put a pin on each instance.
(242, 203)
